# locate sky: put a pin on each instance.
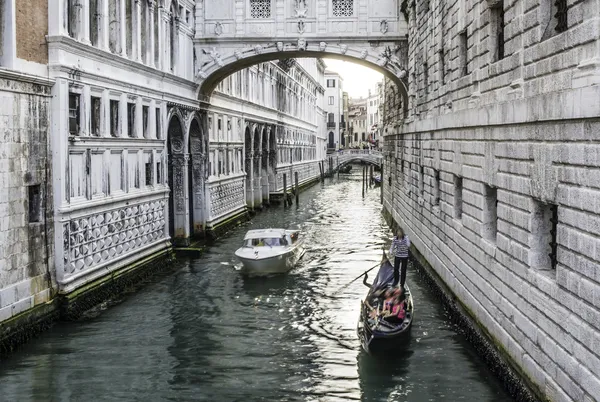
(357, 79)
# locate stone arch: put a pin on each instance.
(179, 229)
(217, 66)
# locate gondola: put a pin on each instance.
(379, 332)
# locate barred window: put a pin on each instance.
(343, 8)
(260, 8)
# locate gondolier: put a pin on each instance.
(399, 249)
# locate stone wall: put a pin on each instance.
(495, 176)
(32, 28)
(26, 213)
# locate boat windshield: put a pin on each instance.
(265, 242)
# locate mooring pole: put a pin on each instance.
(363, 182)
(370, 175)
(297, 189)
(321, 171)
(338, 166)
(381, 185)
(284, 190)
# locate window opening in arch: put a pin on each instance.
(343, 8)
(260, 8)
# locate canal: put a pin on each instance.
(206, 333)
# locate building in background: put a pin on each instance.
(373, 116)
(357, 121)
(333, 109)
(344, 133)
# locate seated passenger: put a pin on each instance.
(261, 243)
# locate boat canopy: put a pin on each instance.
(268, 233)
(385, 275)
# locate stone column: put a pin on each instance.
(250, 180)
(123, 116)
(103, 25)
(122, 28)
(139, 121)
(83, 30)
(181, 213)
(161, 38)
(105, 114)
(150, 36)
(86, 110)
(152, 120)
(258, 180)
(57, 14)
(137, 31)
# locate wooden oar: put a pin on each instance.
(358, 277)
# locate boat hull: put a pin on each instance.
(277, 264)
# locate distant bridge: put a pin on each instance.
(346, 156)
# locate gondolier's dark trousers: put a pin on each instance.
(397, 262)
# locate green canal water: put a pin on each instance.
(206, 333)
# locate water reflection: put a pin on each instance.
(207, 333)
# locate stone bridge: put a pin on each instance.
(234, 34)
(357, 155)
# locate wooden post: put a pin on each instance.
(321, 170)
(338, 166)
(363, 182)
(297, 189)
(284, 190)
(381, 185)
(370, 175)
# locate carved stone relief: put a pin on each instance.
(101, 237)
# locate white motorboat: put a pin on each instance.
(270, 251)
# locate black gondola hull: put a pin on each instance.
(377, 335)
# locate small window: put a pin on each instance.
(458, 187)
(543, 227)
(490, 214)
(74, 113)
(131, 120)
(187, 17)
(426, 78)
(436, 187)
(462, 54)
(331, 100)
(421, 180)
(158, 173)
(95, 123)
(330, 83)
(35, 204)
(158, 125)
(497, 31)
(442, 65)
(260, 8)
(145, 126)
(148, 169)
(114, 118)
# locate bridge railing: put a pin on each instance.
(372, 152)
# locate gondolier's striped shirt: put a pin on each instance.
(400, 247)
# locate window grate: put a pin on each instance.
(343, 8)
(561, 15)
(260, 8)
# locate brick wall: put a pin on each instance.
(482, 160)
(32, 28)
(25, 237)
